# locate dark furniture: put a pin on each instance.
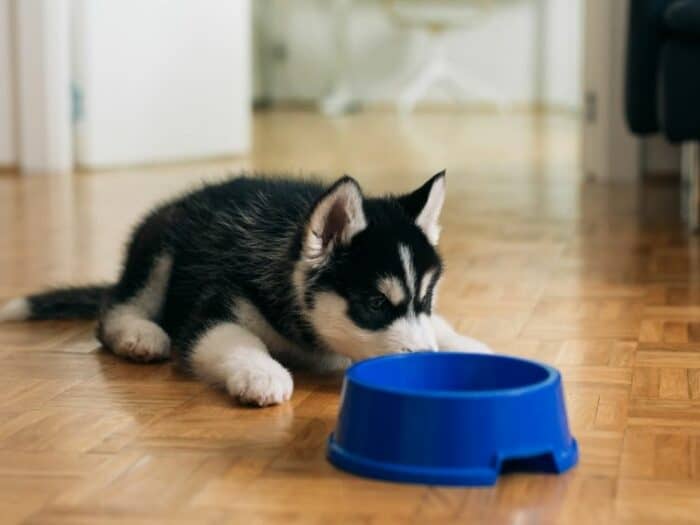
(663, 68)
(662, 86)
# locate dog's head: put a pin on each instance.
(368, 268)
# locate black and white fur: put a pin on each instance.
(241, 271)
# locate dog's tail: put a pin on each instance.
(80, 302)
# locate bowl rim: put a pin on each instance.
(552, 377)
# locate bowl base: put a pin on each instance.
(547, 462)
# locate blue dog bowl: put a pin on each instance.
(451, 419)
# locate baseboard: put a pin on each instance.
(432, 107)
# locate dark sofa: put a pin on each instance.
(663, 68)
(662, 83)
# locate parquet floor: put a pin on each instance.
(600, 281)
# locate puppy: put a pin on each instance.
(239, 277)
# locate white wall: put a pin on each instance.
(503, 51)
(609, 150)
(564, 52)
(8, 155)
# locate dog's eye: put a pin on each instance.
(377, 303)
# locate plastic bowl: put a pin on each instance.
(444, 418)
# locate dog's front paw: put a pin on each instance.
(462, 343)
(141, 340)
(262, 384)
(451, 340)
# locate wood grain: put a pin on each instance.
(600, 281)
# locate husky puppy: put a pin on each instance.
(238, 276)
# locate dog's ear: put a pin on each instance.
(424, 206)
(335, 219)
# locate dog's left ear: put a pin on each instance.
(336, 218)
(424, 206)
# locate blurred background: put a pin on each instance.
(102, 84)
(497, 54)
(110, 83)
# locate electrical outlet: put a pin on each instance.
(278, 52)
(591, 106)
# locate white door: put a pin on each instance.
(101, 83)
(161, 81)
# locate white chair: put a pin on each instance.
(434, 21)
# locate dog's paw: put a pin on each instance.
(262, 383)
(462, 343)
(143, 341)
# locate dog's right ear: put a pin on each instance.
(335, 219)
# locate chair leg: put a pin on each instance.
(341, 99)
(690, 184)
(428, 74)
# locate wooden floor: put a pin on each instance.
(600, 281)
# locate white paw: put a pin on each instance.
(466, 344)
(261, 383)
(141, 340)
